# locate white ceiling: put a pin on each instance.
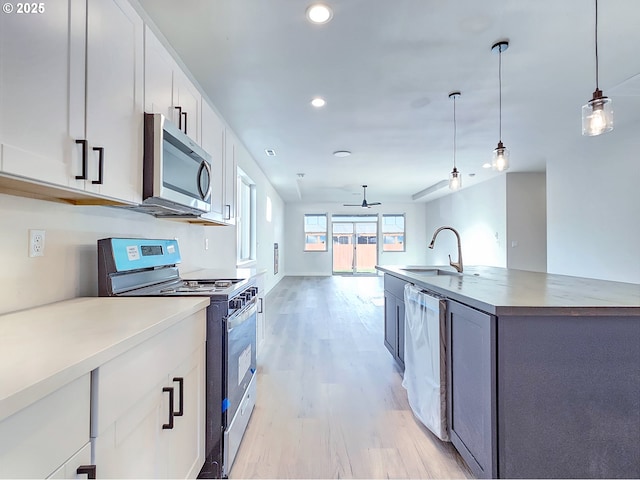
(386, 68)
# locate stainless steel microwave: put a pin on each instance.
(177, 172)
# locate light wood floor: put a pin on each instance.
(330, 400)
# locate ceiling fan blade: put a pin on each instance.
(374, 203)
(351, 205)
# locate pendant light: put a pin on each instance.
(500, 160)
(455, 178)
(597, 114)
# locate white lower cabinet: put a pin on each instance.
(261, 324)
(148, 418)
(78, 466)
(49, 437)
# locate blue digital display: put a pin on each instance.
(137, 253)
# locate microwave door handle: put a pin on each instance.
(204, 166)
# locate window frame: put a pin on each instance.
(319, 233)
(242, 223)
(383, 233)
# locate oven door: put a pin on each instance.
(241, 356)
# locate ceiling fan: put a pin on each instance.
(364, 203)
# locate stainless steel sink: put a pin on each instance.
(430, 271)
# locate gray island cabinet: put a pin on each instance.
(543, 372)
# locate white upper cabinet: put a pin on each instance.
(232, 147)
(36, 131)
(168, 90)
(71, 98)
(187, 103)
(213, 144)
(158, 77)
(114, 120)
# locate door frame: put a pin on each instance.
(353, 220)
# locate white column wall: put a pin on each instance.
(478, 213)
(593, 206)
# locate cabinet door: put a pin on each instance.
(131, 447)
(472, 386)
(42, 93)
(230, 177)
(158, 77)
(213, 144)
(261, 320)
(70, 467)
(35, 441)
(184, 445)
(390, 324)
(131, 415)
(188, 98)
(114, 120)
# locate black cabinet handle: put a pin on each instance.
(88, 470)
(100, 151)
(84, 160)
(228, 217)
(180, 411)
(260, 307)
(169, 426)
(185, 122)
(179, 117)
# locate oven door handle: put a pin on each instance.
(242, 316)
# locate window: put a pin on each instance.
(315, 232)
(246, 218)
(393, 233)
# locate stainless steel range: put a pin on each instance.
(143, 267)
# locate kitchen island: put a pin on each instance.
(543, 371)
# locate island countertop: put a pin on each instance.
(502, 291)
(44, 348)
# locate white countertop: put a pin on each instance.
(518, 292)
(44, 348)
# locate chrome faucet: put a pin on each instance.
(457, 265)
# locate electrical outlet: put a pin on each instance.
(36, 243)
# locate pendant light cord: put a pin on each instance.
(454, 132)
(596, 37)
(500, 90)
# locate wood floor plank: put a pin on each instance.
(330, 398)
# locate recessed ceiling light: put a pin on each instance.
(342, 153)
(319, 13)
(486, 165)
(318, 102)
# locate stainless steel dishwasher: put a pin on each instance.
(424, 358)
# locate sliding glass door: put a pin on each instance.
(355, 249)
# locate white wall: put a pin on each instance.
(593, 206)
(526, 244)
(299, 262)
(69, 266)
(268, 232)
(478, 213)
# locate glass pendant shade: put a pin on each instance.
(500, 160)
(597, 115)
(455, 179)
